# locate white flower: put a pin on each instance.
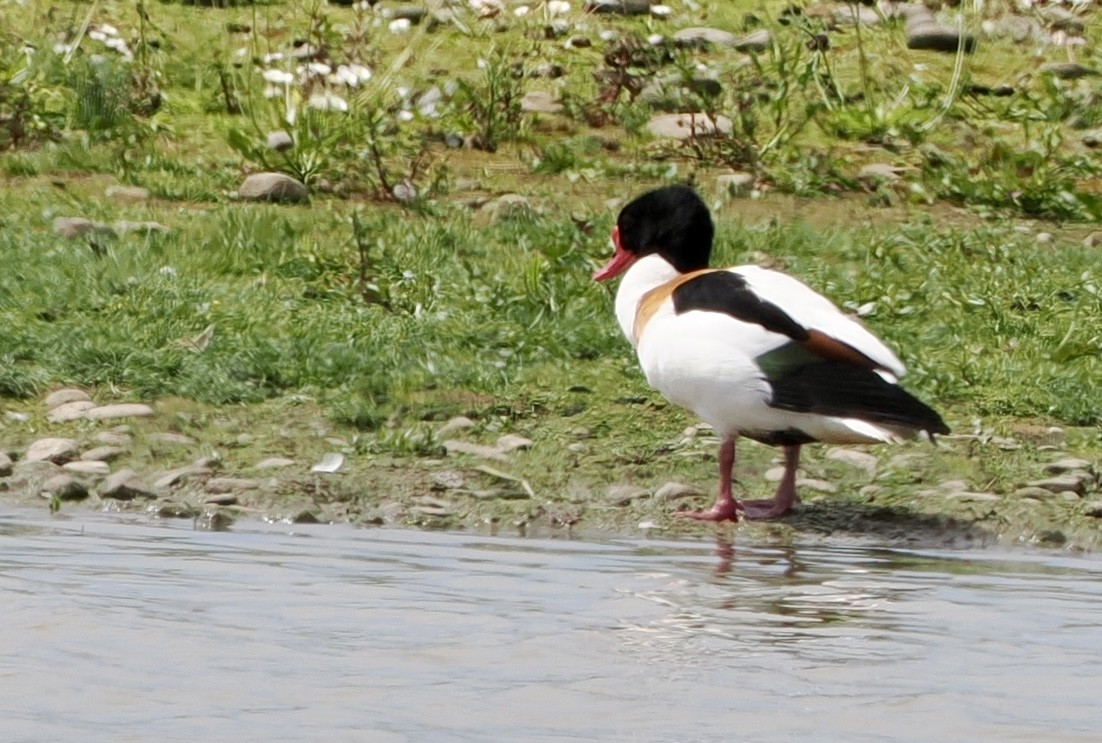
(402, 91)
(328, 102)
(661, 11)
(318, 68)
(558, 7)
(655, 39)
(273, 57)
(278, 77)
(97, 35)
(607, 34)
(62, 48)
(482, 64)
(399, 25)
(108, 29)
(241, 52)
(363, 74)
(405, 115)
(521, 10)
(272, 91)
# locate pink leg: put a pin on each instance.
(726, 507)
(786, 493)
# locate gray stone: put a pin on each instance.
(1068, 70)
(854, 458)
(5, 464)
(669, 89)
(74, 227)
(53, 450)
(1033, 492)
(687, 125)
(821, 486)
(103, 454)
(618, 7)
(65, 487)
(735, 184)
(221, 499)
(272, 463)
(873, 174)
(1061, 19)
(70, 411)
(125, 485)
(852, 14)
(280, 141)
(172, 439)
(404, 192)
(701, 37)
(112, 438)
(675, 490)
(84, 467)
(510, 442)
(26, 473)
(447, 480)
(121, 410)
(412, 13)
(64, 395)
(1068, 464)
(540, 102)
(129, 227)
(1067, 483)
(1093, 508)
(127, 193)
(953, 486)
(231, 484)
(753, 42)
(273, 187)
(967, 495)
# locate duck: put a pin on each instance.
(751, 351)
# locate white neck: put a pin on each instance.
(645, 274)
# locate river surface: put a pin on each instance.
(117, 628)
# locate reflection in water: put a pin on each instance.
(139, 631)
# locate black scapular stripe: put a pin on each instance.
(726, 292)
(840, 389)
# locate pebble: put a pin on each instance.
(929, 35)
(687, 125)
(272, 463)
(330, 463)
(458, 423)
(65, 487)
(121, 410)
(273, 187)
(280, 141)
(1068, 70)
(70, 411)
(447, 480)
(65, 395)
(86, 467)
(171, 439)
(5, 464)
(51, 450)
(103, 454)
(854, 458)
(735, 184)
(821, 486)
(755, 41)
(125, 485)
(127, 193)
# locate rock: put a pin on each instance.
(623, 495)
(508, 206)
(1092, 139)
(753, 42)
(1093, 508)
(1068, 70)
(127, 193)
(412, 13)
(1014, 27)
(511, 441)
(701, 37)
(966, 495)
(1062, 483)
(74, 227)
(187, 472)
(121, 410)
(458, 423)
(667, 89)
(221, 499)
(70, 411)
(1068, 464)
(1061, 19)
(735, 184)
(112, 438)
(128, 227)
(85, 467)
(57, 451)
(273, 187)
(854, 458)
(773, 474)
(852, 14)
(953, 486)
(579, 42)
(103, 454)
(125, 485)
(539, 102)
(5, 464)
(675, 490)
(31, 474)
(821, 486)
(65, 487)
(404, 192)
(1033, 492)
(874, 174)
(280, 141)
(687, 125)
(447, 480)
(618, 7)
(272, 463)
(934, 37)
(330, 463)
(231, 485)
(64, 395)
(453, 446)
(172, 439)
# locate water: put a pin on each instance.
(148, 631)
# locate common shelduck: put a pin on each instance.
(751, 351)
